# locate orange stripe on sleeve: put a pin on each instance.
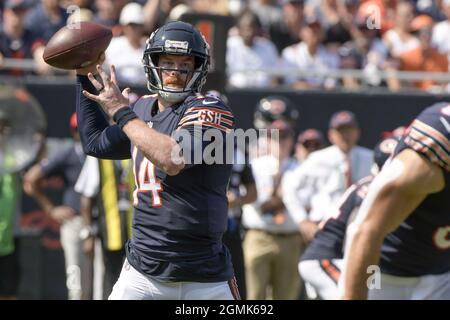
(425, 150)
(227, 121)
(431, 144)
(217, 110)
(188, 118)
(433, 133)
(205, 124)
(330, 270)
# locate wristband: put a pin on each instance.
(124, 115)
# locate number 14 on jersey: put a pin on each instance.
(146, 180)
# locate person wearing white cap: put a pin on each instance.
(126, 51)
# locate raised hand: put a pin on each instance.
(62, 213)
(110, 98)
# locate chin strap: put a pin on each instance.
(173, 97)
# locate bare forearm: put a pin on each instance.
(43, 201)
(250, 196)
(86, 210)
(397, 190)
(275, 203)
(364, 252)
(159, 148)
(32, 186)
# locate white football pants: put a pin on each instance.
(133, 285)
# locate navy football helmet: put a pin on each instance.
(176, 38)
(384, 149)
(272, 108)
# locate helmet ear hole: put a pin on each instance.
(155, 59)
(198, 62)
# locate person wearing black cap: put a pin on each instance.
(321, 264)
(308, 141)
(321, 180)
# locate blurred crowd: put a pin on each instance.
(302, 44)
(277, 202)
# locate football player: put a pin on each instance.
(403, 226)
(180, 205)
(320, 266)
(272, 108)
(267, 110)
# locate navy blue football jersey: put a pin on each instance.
(178, 221)
(329, 240)
(421, 244)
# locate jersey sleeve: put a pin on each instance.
(99, 138)
(205, 130)
(429, 135)
(209, 113)
(88, 182)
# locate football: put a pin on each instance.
(77, 45)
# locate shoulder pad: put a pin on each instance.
(429, 134)
(208, 112)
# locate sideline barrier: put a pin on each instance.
(377, 111)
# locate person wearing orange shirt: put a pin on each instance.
(425, 57)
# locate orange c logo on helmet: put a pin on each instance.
(388, 145)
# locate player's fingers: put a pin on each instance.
(113, 75)
(104, 76)
(126, 93)
(95, 82)
(91, 96)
